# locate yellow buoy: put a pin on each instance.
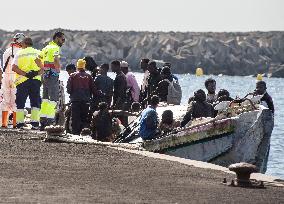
(259, 77)
(199, 72)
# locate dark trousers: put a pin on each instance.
(31, 89)
(80, 112)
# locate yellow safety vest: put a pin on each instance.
(26, 63)
(48, 54)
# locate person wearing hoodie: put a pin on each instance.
(81, 88)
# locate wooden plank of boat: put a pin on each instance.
(189, 135)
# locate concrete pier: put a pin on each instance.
(35, 171)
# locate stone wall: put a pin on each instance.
(217, 53)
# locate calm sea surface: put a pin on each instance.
(240, 86)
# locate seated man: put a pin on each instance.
(149, 120)
(101, 125)
(266, 99)
(168, 123)
(198, 108)
(223, 95)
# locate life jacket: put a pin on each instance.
(47, 55)
(26, 62)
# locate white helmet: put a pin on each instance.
(19, 37)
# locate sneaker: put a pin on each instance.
(20, 126)
(41, 128)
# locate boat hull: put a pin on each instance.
(245, 138)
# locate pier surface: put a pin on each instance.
(35, 171)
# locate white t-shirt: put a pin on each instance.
(15, 60)
(145, 80)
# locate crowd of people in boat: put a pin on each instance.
(201, 105)
(97, 101)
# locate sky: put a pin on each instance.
(144, 15)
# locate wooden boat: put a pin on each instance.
(240, 133)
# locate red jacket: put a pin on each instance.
(81, 86)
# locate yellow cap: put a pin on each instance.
(199, 72)
(81, 64)
(259, 77)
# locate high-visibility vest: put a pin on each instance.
(48, 54)
(26, 63)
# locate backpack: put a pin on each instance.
(174, 92)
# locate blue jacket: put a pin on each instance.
(148, 123)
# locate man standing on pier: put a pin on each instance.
(51, 59)
(153, 79)
(143, 92)
(119, 86)
(28, 69)
(131, 82)
(81, 88)
(104, 84)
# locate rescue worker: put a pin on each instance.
(28, 69)
(50, 57)
(81, 88)
(7, 83)
(10, 53)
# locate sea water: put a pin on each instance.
(239, 86)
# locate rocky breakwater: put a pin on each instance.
(247, 53)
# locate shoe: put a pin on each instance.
(41, 128)
(20, 126)
(35, 128)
